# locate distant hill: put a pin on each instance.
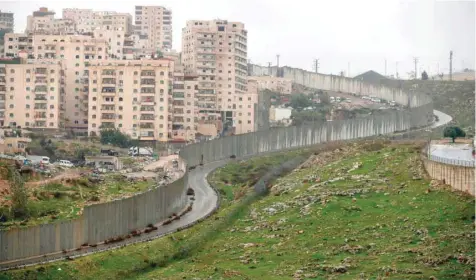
(371, 77)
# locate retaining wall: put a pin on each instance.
(102, 221)
(460, 178)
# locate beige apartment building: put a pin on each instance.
(155, 22)
(183, 108)
(16, 42)
(43, 22)
(31, 95)
(132, 96)
(87, 20)
(75, 53)
(216, 51)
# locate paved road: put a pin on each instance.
(442, 119)
(453, 151)
(205, 202)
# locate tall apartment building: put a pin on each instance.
(30, 95)
(133, 96)
(17, 42)
(216, 51)
(87, 20)
(155, 22)
(75, 52)
(6, 21)
(6, 26)
(43, 22)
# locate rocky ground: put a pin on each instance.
(359, 211)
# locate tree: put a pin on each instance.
(115, 137)
(300, 101)
(453, 132)
(19, 194)
(424, 75)
(324, 97)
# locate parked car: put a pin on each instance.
(65, 163)
(109, 152)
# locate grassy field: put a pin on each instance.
(359, 212)
(64, 201)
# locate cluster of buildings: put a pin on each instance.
(93, 70)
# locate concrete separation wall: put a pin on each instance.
(101, 222)
(460, 178)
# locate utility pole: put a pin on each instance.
(415, 60)
(396, 70)
(451, 65)
(277, 65)
(316, 65)
(269, 68)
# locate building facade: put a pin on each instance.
(32, 95)
(155, 22)
(132, 96)
(216, 51)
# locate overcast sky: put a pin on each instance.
(359, 33)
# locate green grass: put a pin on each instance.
(59, 202)
(391, 228)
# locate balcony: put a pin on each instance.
(108, 82)
(147, 101)
(147, 82)
(40, 106)
(109, 73)
(178, 95)
(41, 89)
(147, 74)
(145, 108)
(146, 126)
(39, 72)
(41, 81)
(107, 108)
(108, 90)
(107, 125)
(40, 97)
(3, 88)
(2, 80)
(108, 116)
(147, 117)
(147, 90)
(40, 123)
(40, 115)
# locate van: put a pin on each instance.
(65, 163)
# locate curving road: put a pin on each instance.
(442, 119)
(205, 203)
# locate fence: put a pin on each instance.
(107, 220)
(450, 161)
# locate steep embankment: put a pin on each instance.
(360, 210)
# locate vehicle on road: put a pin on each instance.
(136, 151)
(38, 159)
(65, 163)
(109, 152)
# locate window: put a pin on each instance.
(93, 116)
(135, 72)
(77, 48)
(52, 89)
(52, 106)
(27, 88)
(52, 115)
(28, 71)
(12, 71)
(11, 105)
(121, 73)
(52, 80)
(52, 71)
(27, 115)
(120, 108)
(11, 115)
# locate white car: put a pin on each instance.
(65, 163)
